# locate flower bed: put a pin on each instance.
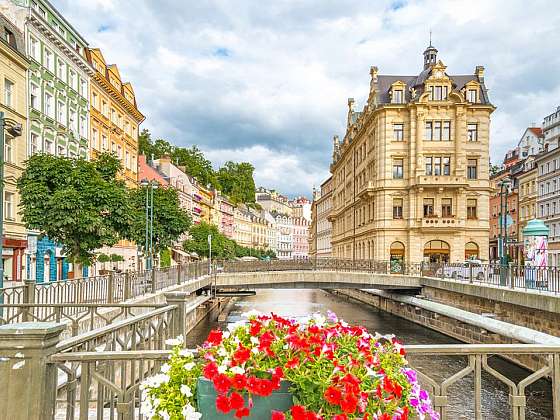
(334, 371)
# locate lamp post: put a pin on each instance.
(149, 229)
(15, 130)
(503, 238)
(209, 254)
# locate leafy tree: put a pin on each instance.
(145, 146)
(170, 220)
(196, 164)
(222, 246)
(236, 181)
(77, 203)
(494, 169)
(165, 258)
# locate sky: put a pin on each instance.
(267, 81)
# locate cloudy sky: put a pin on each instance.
(267, 81)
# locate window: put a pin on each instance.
(438, 93)
(397, 208)
(446, 207)
(472, 95)
(94, 100)
(119, 152)
(95, 139)
(73, 80)
(8, 93)
(49, 108)
(34, 143)
(34, 48)
(9, 198)
(438, 131)
(446, 165)
(83, 88)
(49, 146)
(398, 97)
(83, 126)
(127, 160)
(437, 166)
(49, 62)
(105, 143)
(471, 208)
(60, 151)
(61, 112)
(398, 132)
(8, 149)
(429, 165)
(472, 165)
(61, 70)
(472, 132)
(73, 121)
(428, 207)
(104, 109)
(34, 93)
(397, 168)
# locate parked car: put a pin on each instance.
(463, 270)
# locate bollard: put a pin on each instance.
(178, 299)
(28, 382)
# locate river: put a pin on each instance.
(495, 394)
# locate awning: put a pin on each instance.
(181, 253)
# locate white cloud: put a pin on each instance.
(244, 80)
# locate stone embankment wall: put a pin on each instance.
(447, 325)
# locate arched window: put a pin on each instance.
(471, 251)
(437, 251)
(396, 257)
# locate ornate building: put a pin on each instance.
(410, 178)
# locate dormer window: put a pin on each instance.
(398, 96)
(472, 95)
(438, 93)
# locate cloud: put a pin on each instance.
(244, 80)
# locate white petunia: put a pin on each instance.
(253, 313)
(237, 370)
(165, 368)
(186, 390)
(190, 413)
(254, 340)
(226, 335)
(222, 369)
(255, 350)
(319, 319)
(222, 351)
(189, 365)
(175, 341)
(164, 415)
(186, 353)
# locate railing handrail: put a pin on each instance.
(83, 305)
(99, 332)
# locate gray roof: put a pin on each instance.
(17, 43)
(458, 81)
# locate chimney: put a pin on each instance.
(479, 72)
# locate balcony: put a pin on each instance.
(441, 181)
(367, 190)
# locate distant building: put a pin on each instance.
(551, 130)
(531, 142)
(272, 201)
(284, 236)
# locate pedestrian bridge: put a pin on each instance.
(309, 279)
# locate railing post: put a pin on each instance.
(556, 386)
(153, 279)
(179, 273)
(179, 299)
(27, 380)
(127, 286)
(111, 287)
(29, 291)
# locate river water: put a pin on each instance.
(495, 394)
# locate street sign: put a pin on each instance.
(509, 221)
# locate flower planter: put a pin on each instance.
(279, 400)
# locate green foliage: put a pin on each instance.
(196, 165)
(76, 203)
(222, 246)
(165, 258)
(236, 181)
(170, 220)
(103, 258)
(116, 258)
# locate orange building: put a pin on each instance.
(114, 127)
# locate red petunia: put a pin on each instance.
(333, 395)
(222, 383)
(210, 370)
(340, 417)
(242, 412)
(255, 328)
(222, 404)
(298, 412)
(214, 338)
(239, 381)
(349, 404)
(236, 401)
(293, 363)
(241, 355)
(278, 415)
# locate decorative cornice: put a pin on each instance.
(119, 97)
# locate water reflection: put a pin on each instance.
(495, 395)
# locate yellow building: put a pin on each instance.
(410, 178)
(242, 226)
(13, 70)
(114, 128)
(527, 193)
(206, 203)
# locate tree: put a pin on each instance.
(170, 220)
(77, 203)
(222, 246)
(236, 181)
(196, 164)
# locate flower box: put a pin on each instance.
(279, 400)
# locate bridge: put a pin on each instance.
(61, 343)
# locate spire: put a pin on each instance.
(430, 54)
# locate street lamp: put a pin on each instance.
(209, 254)
(15, 130)
(148, 246)
(503, 238)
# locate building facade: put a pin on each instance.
(242, 226)
(272, 201)
(284, 236)
(411, 176)
(551, 130)
(527, 194)
(226, 219)
(548, 198)
(13, 81)
(300, 238)
(323, 225)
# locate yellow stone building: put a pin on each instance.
(527, 193)
(114, 127)
(13, 103)
(411, 176)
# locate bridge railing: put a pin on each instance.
(105, 384)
